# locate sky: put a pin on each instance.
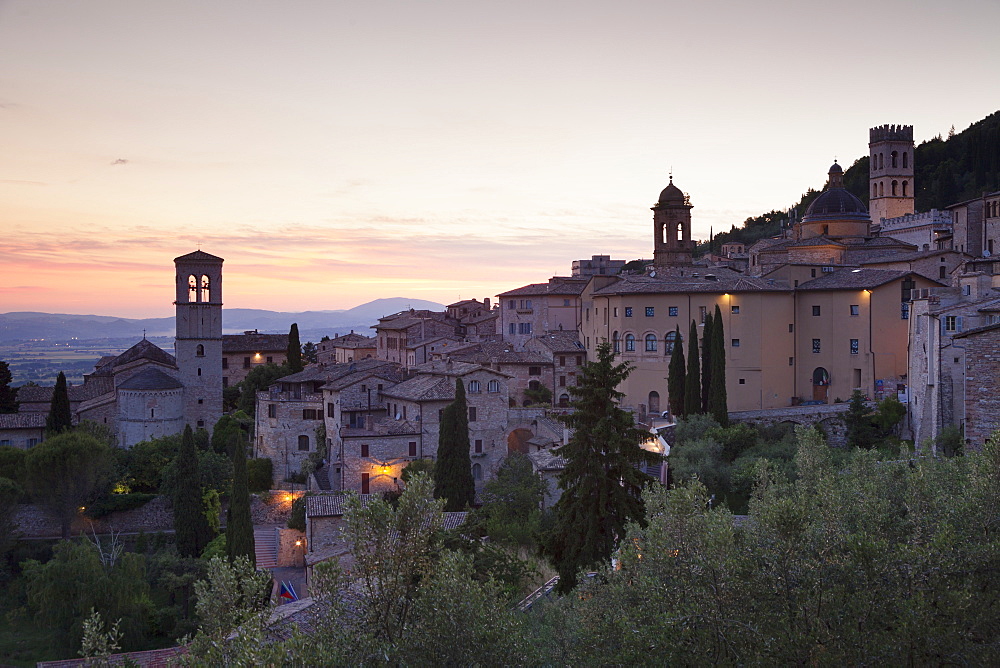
(337, 152)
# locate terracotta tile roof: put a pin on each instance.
(976, 330)
(150, 658)
(726, 280)
(424, 388)
(382, 425)
(881, 242)
(498, 352)
(853, 279)
(151, 379)
(547, 460)
(389, 372)
(31, 394)
(28, 420)
(405, 319)
(331, 505)
(557, 285)
(814, 241)
(561, 341)
(353, 340)
(198, 256)
(254, 343)
(145, 350)
(909, 257)
(328, 373)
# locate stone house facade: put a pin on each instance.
(403, 331)
(22, 430)
(345, 349)
(539, 308)
(372, 456)
(981, 401)
(241, 353)
(566, 354)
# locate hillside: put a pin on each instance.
(947, 170)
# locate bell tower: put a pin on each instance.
(198, 342)
(672, 244)
(890, 171)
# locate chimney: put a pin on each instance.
(486, 303)
(565, 435)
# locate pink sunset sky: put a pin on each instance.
(336, 152)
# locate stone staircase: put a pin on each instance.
(265, 542)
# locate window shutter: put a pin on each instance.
(958, 324)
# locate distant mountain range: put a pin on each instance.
(313, 325)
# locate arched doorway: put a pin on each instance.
(517, 441)
(654, 402)
(821, 384)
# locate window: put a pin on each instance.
(651, 343)
(246, 362)
(791, 328)
(365, 487)
(816, 310)
(303, 443)
(904, 311)
(565, 302)
(474, 387)
(225, 362)
(412, 449)
(563, 400)
(702, 313)
(672, 311)
(616, 311)
(942, 272)
(199, 351)
(513, 328)
(668, 342)
(472, 413)
(628, 311)
(199, 371)
(478, 446)
(225, 381)
(616, 344)
(364, 449)
(629, 343)
(524, 328)
(743, 381)
(650, 311)
(493, 386)
(812, 273)
(152, 412)
(477, 472)
(512, 304)
(950, 323)
(855, 309)
(32, 442)
(329, 410)
(816, 345)
(736, 343)
(270, 360)
(791, 361)
(854, 346)
(272, 410)
(735, 309)
(579, 360)
(562, 381)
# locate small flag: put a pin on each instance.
(287, 592)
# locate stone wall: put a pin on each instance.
(291, 548)
(829, 417)
(982, 401)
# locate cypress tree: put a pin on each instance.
(692, 386)
(239, 526)
(718, 403)
(676, 376)
(191, 529)
(453, 469)
(294, 354)
(706, 363)
(8, 394)
(60, 417)
(603, 479)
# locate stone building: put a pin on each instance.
(597, 265)
(291, 415)
(539, 308)
(566, 354)
(345, 349)
(22, 430)
(890, 171)
(372, 455)
(401, 337)
(810, 324)
(242, 353)
(146, 392)
(981, 401)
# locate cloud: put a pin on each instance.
(119, 161)
(15, 182)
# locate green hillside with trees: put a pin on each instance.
(947, 170)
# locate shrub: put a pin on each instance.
(117, 502)
(260, 473)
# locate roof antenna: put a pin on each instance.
(671, 172)
(143, 334)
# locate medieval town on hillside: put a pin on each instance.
(881, 300)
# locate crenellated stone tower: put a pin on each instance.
(672, 244)
(198, 344)
(890, 172)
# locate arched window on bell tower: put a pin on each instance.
(206, 291)
(192, 288)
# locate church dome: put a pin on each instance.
(671, 194)
(836, 201)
